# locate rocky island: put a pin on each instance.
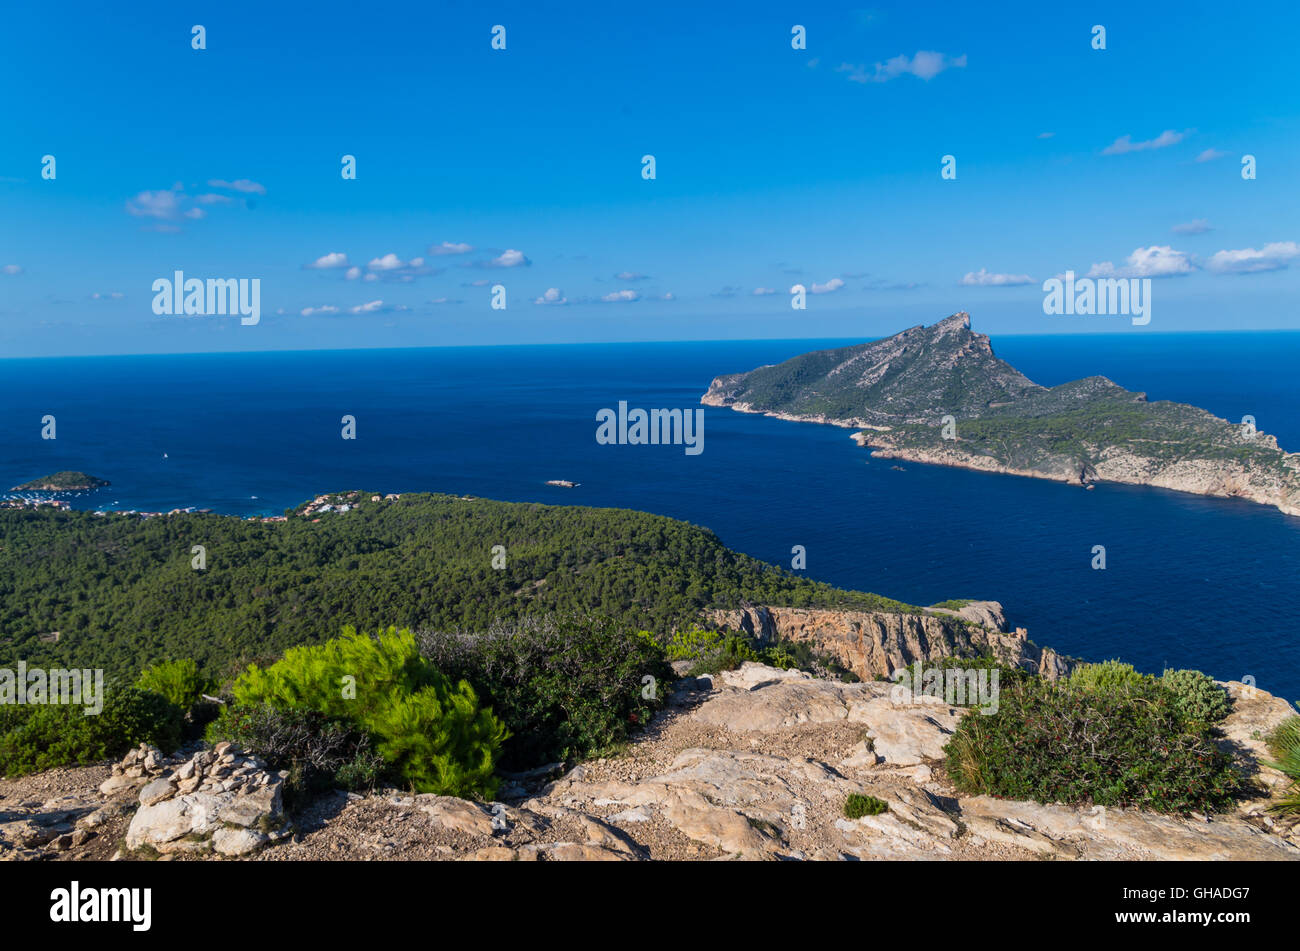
(939, 395)
(62, 482)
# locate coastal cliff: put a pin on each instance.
(939, 395)
(874, 644)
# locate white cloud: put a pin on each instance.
(623, 295)
(211, 199)
(312, 311)
(331, 260)
(1125, 143)
(110, 295)
(1271, 257)
(763, 291)
(389, 262)
(510, 258)
(834, 284)
(1046, 135)
(352, 273)
(196, 213)
(369, 308)
(926, 64)
(668, 295)
(553, 295)
(1195, 226)
(239, 185)
(155, 204)
(1159, 260)
(985, 278)
(11, 269)
(630, 276)
(450, 247)
(1209, 155)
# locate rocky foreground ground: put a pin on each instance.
(753, 764)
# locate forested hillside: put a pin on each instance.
(122, 592)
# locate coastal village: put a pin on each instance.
(337, 503)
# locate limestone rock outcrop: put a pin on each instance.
(219, 800)
(876, 643)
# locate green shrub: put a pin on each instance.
(46, 736)
(857, 805)
(953, 604)
(318, 752)
(1284, 744)
(566, 685)
(714, 651)
(177, 680)
(1124, 744)
(779, 656)
(432, 734)
(1110, 676)
(968, 695)
(1196, 696)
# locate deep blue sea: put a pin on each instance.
(1190, 581)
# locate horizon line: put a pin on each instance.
(635, 343)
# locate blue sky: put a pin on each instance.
(774, 167)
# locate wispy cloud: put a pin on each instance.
(834, 284)
(986, 278)
(155, 204)
(11, 269)
(507, 258)
(450, 247)
(238, 185)
(1271, 257)
(323, 309)
(763, 291)
(1125, 143)
(926, 64)
(631, 276)
(1195, 226)
(624, 296)
(1209, 155)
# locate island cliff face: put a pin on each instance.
(939, 395)
(874, 644)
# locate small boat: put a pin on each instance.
(563, 483)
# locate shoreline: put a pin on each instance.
(1228, 486)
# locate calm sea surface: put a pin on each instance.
(1190, 581)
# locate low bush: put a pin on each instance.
(1196, 696)
(964, 694)
(1284, 745)
(713, 651)
(46, 736)
(566, 686)
(1115, 740)
(431, 732)
(318, 752)
(856, 805)
(177, 680)
(1110, 676)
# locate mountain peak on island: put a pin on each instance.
(897, 379)
(939, 394)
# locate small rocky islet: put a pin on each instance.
(66, 481)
